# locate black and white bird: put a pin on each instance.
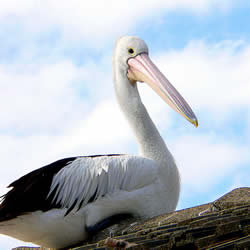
(59, 204)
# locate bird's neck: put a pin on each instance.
(151, 144)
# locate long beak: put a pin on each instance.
(142, 69)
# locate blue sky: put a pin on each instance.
(56, 87)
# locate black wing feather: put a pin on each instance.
(29, 193)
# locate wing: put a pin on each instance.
(29, 193)
(73, 182)
(88, 178)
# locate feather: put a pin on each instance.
(87, 179)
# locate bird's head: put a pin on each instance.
(131, 53)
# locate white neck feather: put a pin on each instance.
(150, 142)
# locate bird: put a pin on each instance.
(61, 204)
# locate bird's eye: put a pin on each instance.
(131, 51)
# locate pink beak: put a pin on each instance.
(142, 69)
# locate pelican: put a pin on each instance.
(58, 205)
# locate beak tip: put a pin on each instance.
(195, 122)
(192, 120)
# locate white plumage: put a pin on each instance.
(86, 177)
(56, 205)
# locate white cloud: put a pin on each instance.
(103, 131)
(47, 98)
(205, 160)
(36, 98)
(94, 20)
(215, 77)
